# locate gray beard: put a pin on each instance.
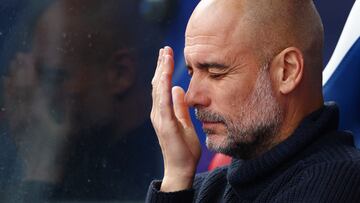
(253, 131)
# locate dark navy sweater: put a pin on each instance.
(317, 163)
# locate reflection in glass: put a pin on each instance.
(77, 102)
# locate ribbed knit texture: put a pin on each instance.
(316, 163)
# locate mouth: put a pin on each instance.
(210, 124)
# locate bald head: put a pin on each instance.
(268, 26)
(257, 64)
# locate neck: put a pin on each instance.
(295, 112)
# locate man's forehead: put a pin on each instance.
(213, 20)
(204, 40)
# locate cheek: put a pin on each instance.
(228, 98)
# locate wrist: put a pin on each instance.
(176, 182)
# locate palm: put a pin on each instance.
(171, 120)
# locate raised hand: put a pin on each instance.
(39, 138)
(175, 131)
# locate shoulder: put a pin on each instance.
(327, 170)
(334, 156)
(348, 168)
(335, 147)
(327, 181)
(337, 181)
(330, 172)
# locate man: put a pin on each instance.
(77, 104)
(255, 85)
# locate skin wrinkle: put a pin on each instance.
(194, 51)
(249, 36)
(271, 84)
(210, 40)
(229, 56)
(247, 136)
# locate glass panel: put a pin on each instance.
(76, 99)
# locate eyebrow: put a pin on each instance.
(208, 65)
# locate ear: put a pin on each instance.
(121, 72)
(288, 67)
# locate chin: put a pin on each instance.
(222, 144)
(215, 142)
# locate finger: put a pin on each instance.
(182, 114)
(155, 80)
(164, 92)
(168, 65)
(165, 51)
(167, 68)
(157, 70)
(161, 53)
(180, 108)
(169, 51)
(162, 66)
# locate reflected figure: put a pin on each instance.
(78, 103)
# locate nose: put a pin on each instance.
(197, 94)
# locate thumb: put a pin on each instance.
(180, 107)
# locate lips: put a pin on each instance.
(211, 124)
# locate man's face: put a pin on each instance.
(74, 82)
(230, 86)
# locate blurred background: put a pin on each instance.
(75, 94)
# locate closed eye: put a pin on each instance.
(214, 66)
(190, 70)
(214, 70)
(216, 75)
(190, 73)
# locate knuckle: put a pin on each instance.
(162, 107)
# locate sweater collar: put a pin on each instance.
(325, 119)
